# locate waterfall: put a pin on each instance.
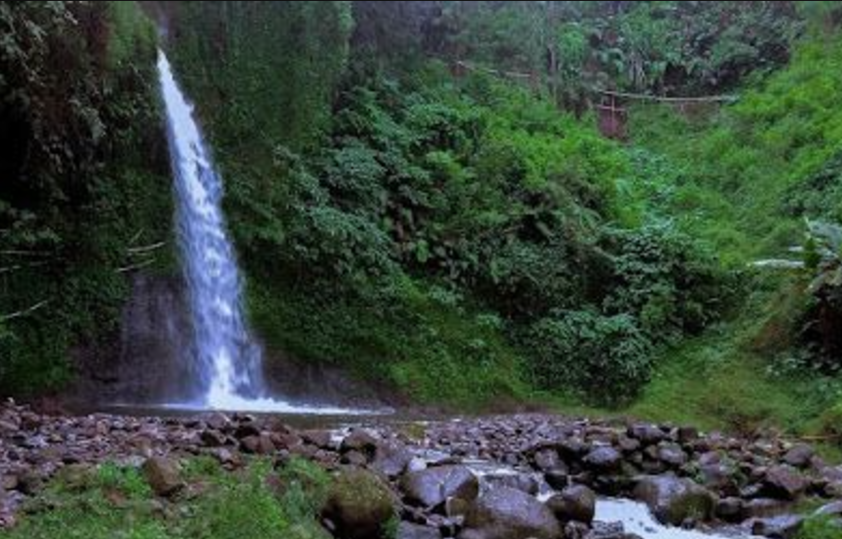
(226, 362)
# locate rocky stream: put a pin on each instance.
(502, 477)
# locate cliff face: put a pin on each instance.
(143, 362)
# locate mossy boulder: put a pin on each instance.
(674, 500)
(360, 505)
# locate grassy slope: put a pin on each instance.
(730, 177)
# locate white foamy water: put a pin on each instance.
(227, 362)
(637, 519)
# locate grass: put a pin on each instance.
(820, 528)
(115, 502)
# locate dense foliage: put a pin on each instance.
(81, 187)
(457, 233)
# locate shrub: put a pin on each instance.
(605, 358)
(666, 280)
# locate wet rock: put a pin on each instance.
(672, 500)
(407, 530)
(784, 482)
(246, 429)
(557, 479)
(547, 459)
(830, 509)
(604, 459)
(163, 475)
(574, 503)
(628, 445)
(730, 509)
(800, 456)
(260, 444)
(506, 513)
(286, 440)
(218, 421)
(354, 458)
(647, 434)
(672, 455)
(576, 530)
(9, 482)
(431, 487)
(359, 505)
(573, 447)
(718, 477)
(687, 435)
(763, 507)
(609, 530)
(212, 438)
(319, 438)
(391, 459)
(362, 441)
(779, 527)
(523, 482)
(456, 507)
(832, 489)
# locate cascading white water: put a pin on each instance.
(227, 362)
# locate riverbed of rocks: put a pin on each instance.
(506, 477)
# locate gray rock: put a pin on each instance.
(547, 459)
(523, 482)
(431, 487)
(212, 438)
(687, 435)
(780, 527)
(604, 459)
(800, 456)
(672, 455)
(260, 444)
(763, 507)
(407, 530)
(673, 500)
(391, 459)
(163, 475)
(557, 479)
(830, 509)
(730, 509)
(320, 438)
(784, 482)
(506, 513)
(647, 434)
(577, 503)
(609, 530)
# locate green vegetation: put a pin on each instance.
(462, 235)
(113, 501)
(776, 361)
(82, 179)
(820, 528)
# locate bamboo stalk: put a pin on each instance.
(132, 267)
(24, 312)
(9, 269)
(146, 248)
(665, 99)
(21, 252)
